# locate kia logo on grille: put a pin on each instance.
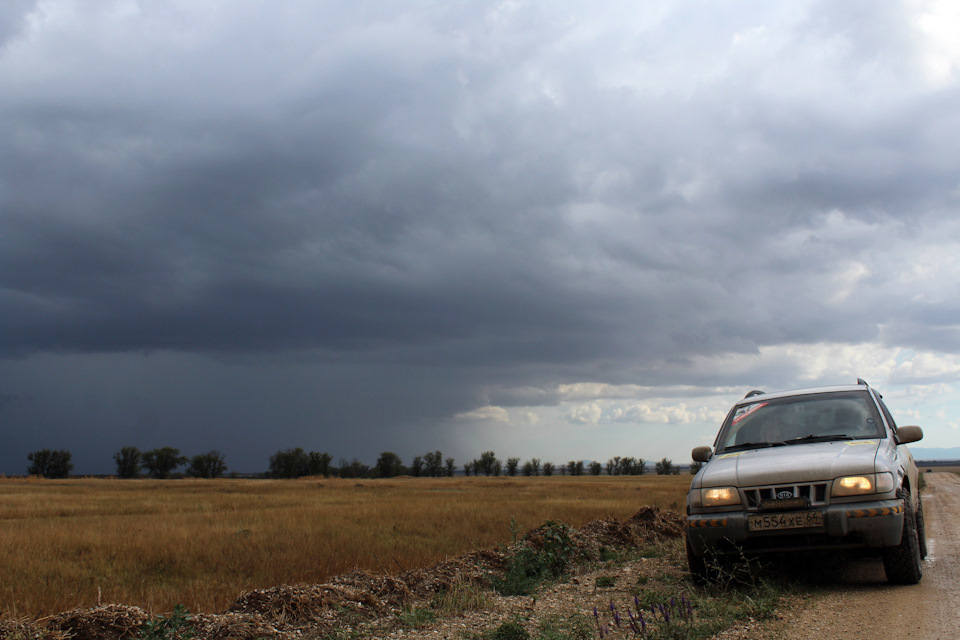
(783, 495)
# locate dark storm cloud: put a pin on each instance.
(515, 196)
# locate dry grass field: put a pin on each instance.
(201, 543)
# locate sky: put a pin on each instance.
(564, 230)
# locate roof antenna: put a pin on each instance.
(862, 382)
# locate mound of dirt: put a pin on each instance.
(289, 611)
(365, 596)
(476, 567)
(308, 605)
(649, 525)
(230, 626)
(26, 630)
(105, 622)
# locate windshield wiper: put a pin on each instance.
(821, 438)
(753, 445)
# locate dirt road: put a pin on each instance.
(860, 604)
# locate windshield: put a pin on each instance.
(797, 419)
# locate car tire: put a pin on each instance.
(699, 571)
(902, 563)
(921, 529)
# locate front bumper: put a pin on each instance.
(870, 525)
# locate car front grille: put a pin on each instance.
(815, 492)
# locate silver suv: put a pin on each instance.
(811, 469)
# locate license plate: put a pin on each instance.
(778, 521)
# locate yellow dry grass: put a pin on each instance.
(201, 543)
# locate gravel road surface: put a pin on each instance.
(860, 604)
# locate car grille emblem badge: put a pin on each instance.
(783, 495)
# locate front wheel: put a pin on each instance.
(902, 563)
(707, 569)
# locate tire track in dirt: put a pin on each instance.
(861, 604)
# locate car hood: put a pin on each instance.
(811, 462)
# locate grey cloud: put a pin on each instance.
(485, 201)
(12, 17)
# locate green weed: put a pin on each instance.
(510, 630)
(176, 627)
(606, 554)
(525, 571)
(528, 566)
(416, 617)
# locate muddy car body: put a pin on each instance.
(803, 470)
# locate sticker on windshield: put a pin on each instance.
(743, 412)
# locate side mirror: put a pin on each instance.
(702, 454)
(908, 434)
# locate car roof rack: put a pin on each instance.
(755, 392)
(863, 382)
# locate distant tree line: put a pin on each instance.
(160, 463)
(132, 463)
(296, 463)
(50, 464)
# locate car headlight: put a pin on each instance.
(862, 484)
(719, 496)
